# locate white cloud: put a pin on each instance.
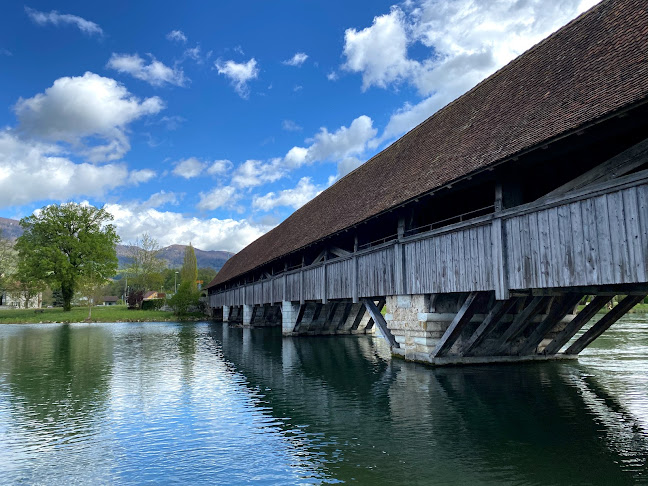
(297, 60)
(255, 172)
(332, 76)
(84, 107)
(176, 35)
(347, 165)
(379, 52)
(465, 42)
(55, 18)
(168, 228)
(219, 167)
(141, 176)
(239, 74)
(294, 198)
(218, 197)
(160, 199)
(34, 171)
(5, 52)
(155, 73)
(193, 53)
(290, 126)
(189, 168)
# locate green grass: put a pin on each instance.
(118, 313)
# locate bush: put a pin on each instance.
(153, 304)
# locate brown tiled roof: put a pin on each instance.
(594, 66)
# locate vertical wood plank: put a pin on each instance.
(580, 273)
(642, 200)
(620, 254)
(636, 270)
(603, 235)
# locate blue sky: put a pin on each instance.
(211, 122)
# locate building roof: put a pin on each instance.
(110, 298)
(594, 66)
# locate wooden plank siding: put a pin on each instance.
(595, 238)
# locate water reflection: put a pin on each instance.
(380, 422)
(204, 403)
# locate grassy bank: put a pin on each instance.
(80, 314)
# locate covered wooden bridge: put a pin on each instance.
(482, 228)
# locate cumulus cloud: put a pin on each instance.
(219, 167)
(141, 176)
(239, 74)
(297, 60)
(85, 108)
(34, 171)
(294, 198)
(177, 36)
(218, 197)
(160, 199)
(255, 172)
(189, 168)
(155, 73)
(464, 41)
(290, 126)
(379, 52)
(57, 19)
(168, 228)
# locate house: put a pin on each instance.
(109, 300)
(15, 300)
(152, 294)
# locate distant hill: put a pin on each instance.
(173, 254)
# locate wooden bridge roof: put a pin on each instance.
(592, 67)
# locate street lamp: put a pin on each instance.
(175, 282)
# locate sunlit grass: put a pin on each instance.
(117, 313)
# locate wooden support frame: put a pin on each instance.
(559, 309)
(370, 323)
(493, 318)
(582, 318)
(457, 325)
(519, 323)
(604, 324)
(379, 320)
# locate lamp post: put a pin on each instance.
(175, 282)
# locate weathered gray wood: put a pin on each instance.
(457, 325)
(520, 322)
(582, 318)
(620, 164)
(492, 319)
(637, 267)
(603, 237)
(618, 240)
(379, 320)
(604, 323)
(590, 242)
(558, 312)
(339, 252)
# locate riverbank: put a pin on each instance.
(80, 314)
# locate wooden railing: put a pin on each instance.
(595, 236)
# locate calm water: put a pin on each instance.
(202, 403)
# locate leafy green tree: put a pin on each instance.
(189, 270)
(186, 298)
(8, 260)
(25, 284)
(145, 269)
(206, 274)
(63, 243)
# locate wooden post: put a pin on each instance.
(354, 272)
(500, 260)
(399, 260)
(457, 325)
(324, 300)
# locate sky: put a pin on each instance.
(211, 122)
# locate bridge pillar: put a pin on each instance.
(226, 313)
(248, 314)
(289, 316)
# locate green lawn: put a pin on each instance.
(118, 313)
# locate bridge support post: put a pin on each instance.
(289, 317)
(248, 314)
(226, 313)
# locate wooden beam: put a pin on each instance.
(619, 165)
(604, 324)
(457, 325)
(370, 323)
(519, 323)
(557, 313)
(358, 318)
(339, 252)
(499, 310)
(320, 257)
(380, 322)
(582, 318)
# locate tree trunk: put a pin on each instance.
(67, 291)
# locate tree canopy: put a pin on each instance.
(65, 244)
(145, 269)
(189, 270)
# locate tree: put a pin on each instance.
(90, 286)
(189, 270)
(25, 284)
(8, 258)
(206, 274)
(185, 298)
(63, 243)
(145, 269)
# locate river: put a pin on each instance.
(202, 403)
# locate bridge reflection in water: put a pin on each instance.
(378, 421)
